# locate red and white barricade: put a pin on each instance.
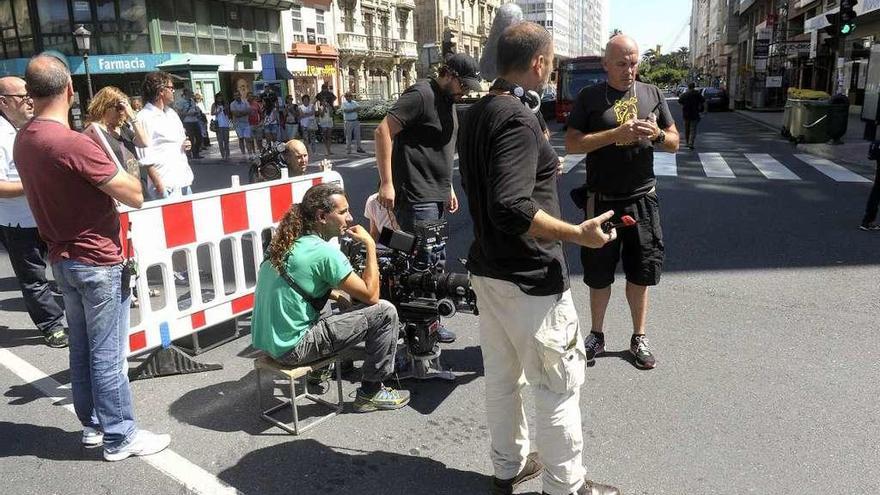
(202, 252)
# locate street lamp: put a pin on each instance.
(83, 39)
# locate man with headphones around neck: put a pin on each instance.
(619, 124)
(529, 328)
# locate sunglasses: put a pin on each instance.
(24, 97)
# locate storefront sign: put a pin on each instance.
(774, 82)
(13, 67)
(314, 71)
(866, 6)
(118, 64)
(814, 43)
(818, 22)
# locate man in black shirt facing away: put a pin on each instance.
(529, 330)
(618, 124)
(692, 105)
(415, 145)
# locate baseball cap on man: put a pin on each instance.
(467, 70)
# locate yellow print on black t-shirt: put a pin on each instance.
(626, 109)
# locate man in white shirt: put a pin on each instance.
(18, 229)
(352, 125)
(165, 158)
(307, 124)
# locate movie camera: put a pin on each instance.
(268, 164)
(422, 291)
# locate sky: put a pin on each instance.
(652, 21)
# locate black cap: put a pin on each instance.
(467, 70)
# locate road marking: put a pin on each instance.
(770, 167)
(831, 169)
(357, 163)
(664, 164)
(572, 161)
(170, 463)
(715, 166)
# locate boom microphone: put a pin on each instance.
(506, 16)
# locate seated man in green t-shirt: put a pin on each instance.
(300, 272)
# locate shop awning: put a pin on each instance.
(190, 61)
(277, 66)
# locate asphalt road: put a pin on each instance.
(763, 327)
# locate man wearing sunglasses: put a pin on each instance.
(415, 145)
(18, 229)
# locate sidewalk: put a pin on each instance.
(853, 150)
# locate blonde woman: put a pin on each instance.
(110, 116)
(324, 114)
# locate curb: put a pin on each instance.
(803, 147)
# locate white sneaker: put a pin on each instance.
(144, 443)
(92, 437)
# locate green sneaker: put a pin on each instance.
(385, 399)
(56, 338)
(319, 376)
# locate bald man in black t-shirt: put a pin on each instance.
(619, 124)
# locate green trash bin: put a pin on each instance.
(791, 108)
(838, 118)
(811, 124)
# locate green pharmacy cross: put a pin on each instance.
(246, 57)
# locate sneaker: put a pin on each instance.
(445, 336)
(639, 348)
(594, 345)
(531, 470)
(867, 227)
(361, 150)
(144, 443)
(92, 437)
(56, 338)
(319, 376)
(590, 487)
(385, 399)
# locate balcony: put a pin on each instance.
(380, 47)
(352, 43)
(406, 49)
(451, 23)
(407, 4)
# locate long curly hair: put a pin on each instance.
(104, 100)
(299, 220)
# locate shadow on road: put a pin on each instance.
(44, 442)
(308, 466)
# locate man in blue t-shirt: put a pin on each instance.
(301, 272)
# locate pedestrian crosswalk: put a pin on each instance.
(712, 165)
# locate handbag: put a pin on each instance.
(874, 151)
(213, 125)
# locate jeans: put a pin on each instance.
(534, 340)
(873, 199)
(271, 132)
(352, 133)
(408, 214)
(27, 255)
(194, 133)
(376, 324)
(97, 300)
(690, 131)
(223, 141)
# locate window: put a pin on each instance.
(348, 20)
(203, 12)
(319, 21)
(184, 11)
(296, 18)
(261, 22)
(133, 15)
(53, 16)
(247, 18)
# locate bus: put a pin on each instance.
(572, 76)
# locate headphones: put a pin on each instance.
(531, 99)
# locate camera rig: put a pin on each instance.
(413, 278)
(268, 164)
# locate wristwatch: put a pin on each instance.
(661, 138)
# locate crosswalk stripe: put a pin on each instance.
(357, 163)
(715, 166)
(571, 161)
(831, 169)
(665, 164)
(770, 167)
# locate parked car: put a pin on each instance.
(716, 99)
(680, 89)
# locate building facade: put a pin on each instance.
(377, 46)
(579, 27)
(466, 23)
(309, 30)
(214, 46)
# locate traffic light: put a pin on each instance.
(847, 16)
(832, 30)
